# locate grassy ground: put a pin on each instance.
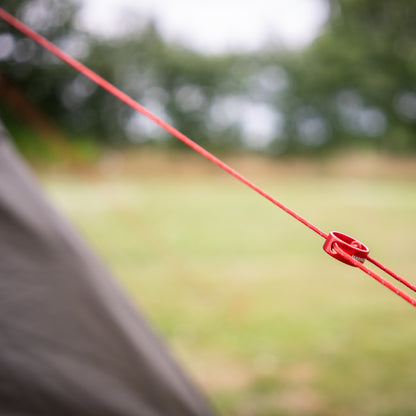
(260, 316)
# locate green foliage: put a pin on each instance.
(358, 78)
(353, 87)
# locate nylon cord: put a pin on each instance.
(138, 107)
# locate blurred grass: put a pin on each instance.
(259, 315)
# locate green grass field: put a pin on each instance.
(262, 318)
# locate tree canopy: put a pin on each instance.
(355, 85)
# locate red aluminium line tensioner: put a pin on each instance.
(347, 244)
(354, 253)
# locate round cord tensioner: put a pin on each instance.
(347, 244)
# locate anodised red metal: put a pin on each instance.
(347, 244)
(351, 251)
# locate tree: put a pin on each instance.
(356, 83)
(354, 86)
(177, 84)
(31, 80)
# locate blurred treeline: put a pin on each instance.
(354, 86)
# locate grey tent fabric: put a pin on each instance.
(70, 341)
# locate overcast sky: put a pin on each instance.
(213, 25)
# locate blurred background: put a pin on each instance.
(306, 77)
(313, 99)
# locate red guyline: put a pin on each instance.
(377, 277)
(180, 136)
(136, 106)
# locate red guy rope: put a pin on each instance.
(351, 260)
(335, 248)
